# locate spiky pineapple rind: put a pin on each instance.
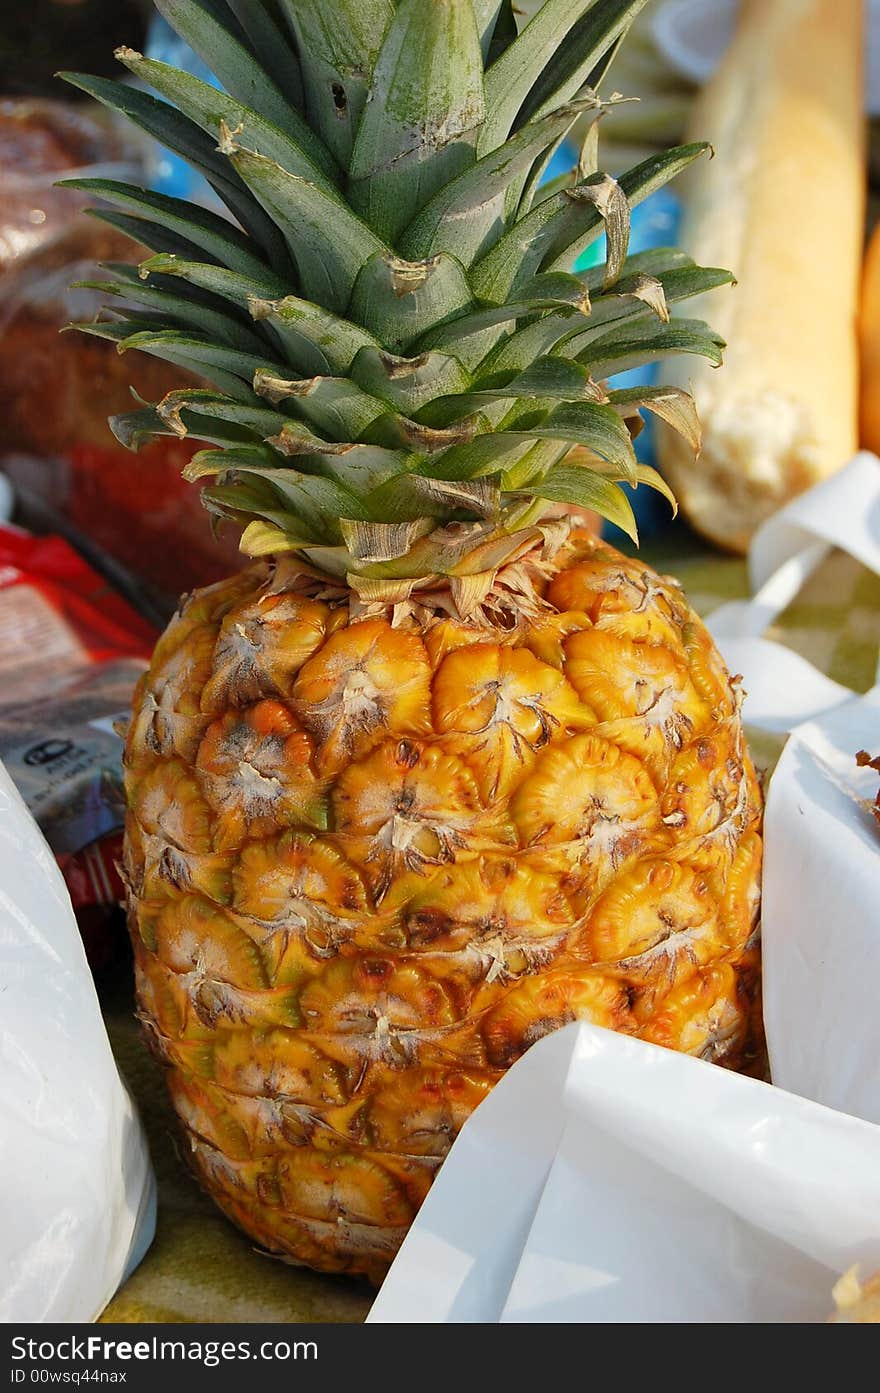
(375, 853)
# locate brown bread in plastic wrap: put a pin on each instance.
(781, 204)
(57, 390)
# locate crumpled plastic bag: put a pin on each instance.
(609, 1180)
(77, 1192)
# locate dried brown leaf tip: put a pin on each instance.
(866, 761)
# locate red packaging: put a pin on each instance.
(91, 620)
(95, 886)
(70, 652)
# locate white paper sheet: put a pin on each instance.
(608, 1180)
(821, 912)
(673, 1199)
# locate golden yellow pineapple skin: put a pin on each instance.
(369, 865)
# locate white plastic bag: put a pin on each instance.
(606, 1179)
(77, 1193)
(821, 891)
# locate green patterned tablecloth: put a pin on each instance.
(202, 1269)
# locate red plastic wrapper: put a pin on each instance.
(95, 887)
(55, 608)
(71, 651)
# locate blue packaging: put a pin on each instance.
(167, 172)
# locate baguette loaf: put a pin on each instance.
(781, 205)
(869, 335)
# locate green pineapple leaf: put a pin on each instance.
(220, 47)
(582, 486)
(180, 408)
(314, 340)
(187, 314)
(273, 49)
(573, 234)
(219, 280)
(594, 426)
(361, 468)
(554, 379)
(633, 300)
(520, 349)
(320, 501)
(390, 330)
(231, 370)
(333, 405)
(511, 79)
(468, 215)
(338, 42)
(425, 109)
(328, 242)
(245, 497)
(157, 238)
(176, 131)
(504, 33)
(555, 232)
(630, 346)
(135, 429)
(492, 16)
(486, 454)
(408, 383)
(197, 227)
(582, 57)
(215, 111)
(399, 301)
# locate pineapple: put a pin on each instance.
(438, 772)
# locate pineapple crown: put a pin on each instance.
(401, 358)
